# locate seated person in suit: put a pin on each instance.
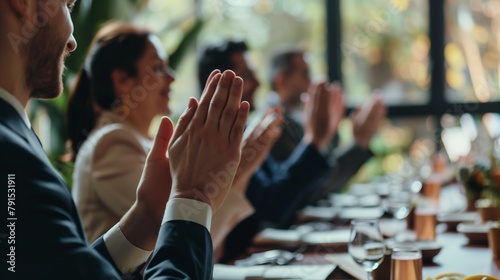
(277, 190)
(125, 84)
(45, 238)
(290, 79)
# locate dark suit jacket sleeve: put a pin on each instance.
(183, 251)
(277, 189)
(49, 246)
(46, 239)
(49, 242)
(346, 163)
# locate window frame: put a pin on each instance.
(437, 104)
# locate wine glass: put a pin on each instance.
(398, 204)
(366, 244)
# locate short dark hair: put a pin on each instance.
(281, 62)
(217, 56)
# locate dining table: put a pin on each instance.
(457, 254)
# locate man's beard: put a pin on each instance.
(46, 53)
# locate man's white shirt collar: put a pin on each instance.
(10, 99)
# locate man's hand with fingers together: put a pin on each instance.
(367, 119)
(205, 149)
(256, 147)
(323, 111)
(152, 194)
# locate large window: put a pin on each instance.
(265, 26)
(456, 41)
(472, 50)
(385, 46)
(437, 60)
(402, 145)
(375, 44)
(433, 60)
(430, 58)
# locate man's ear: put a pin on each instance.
(23, 8)
(122, 82)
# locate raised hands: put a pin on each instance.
(323, 111)
(256, 146)
(205, 149)
(203, 155)
(366, 120)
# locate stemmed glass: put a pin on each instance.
(398, 204)
(366, 244)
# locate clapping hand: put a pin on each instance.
(204, 152)
(205, 149)
(257, 145)
(323, 111)
(366, 120)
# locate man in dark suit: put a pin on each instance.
(289, 80)
(43, 237)
(277, 189)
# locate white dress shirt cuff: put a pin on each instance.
(188, 210)
(126, 256)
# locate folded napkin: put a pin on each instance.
(230, 272)
(346, 263)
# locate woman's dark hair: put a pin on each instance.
(116, 46)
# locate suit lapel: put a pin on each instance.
(37, 145)
(11, 118)
(13, 121)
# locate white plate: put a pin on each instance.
(477, 233)
(319, 213)
(453, 219)
(429, 249)
(359, 213)
(473, 228)
(363, 189)
(458, 217)
(391, 227)
(338, 236)
(369, 200)
(310, 271)
(343, 200)
(278, 236)
(292, 237)
(350, 200)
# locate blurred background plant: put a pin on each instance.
(481, 181)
